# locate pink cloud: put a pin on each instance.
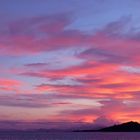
(100, 74)
(39, 34)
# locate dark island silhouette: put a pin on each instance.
(124, 127)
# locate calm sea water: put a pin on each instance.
(70, 136)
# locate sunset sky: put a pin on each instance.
(65, 61)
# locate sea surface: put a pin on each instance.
(71, 136)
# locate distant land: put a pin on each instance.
(124, 127)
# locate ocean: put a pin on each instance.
(70, 136)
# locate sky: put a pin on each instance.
(69, 61)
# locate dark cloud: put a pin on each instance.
(29, 101)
